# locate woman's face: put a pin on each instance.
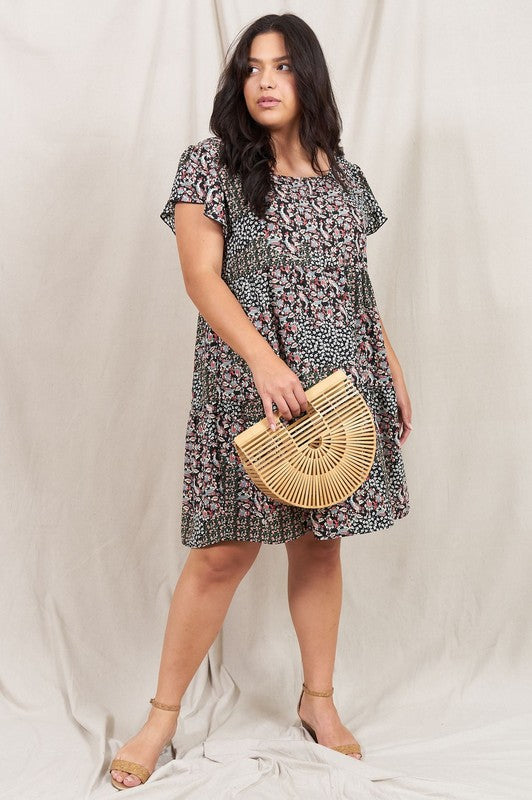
(270, 74)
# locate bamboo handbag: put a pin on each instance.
(319, 458)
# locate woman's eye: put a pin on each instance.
(251, 66)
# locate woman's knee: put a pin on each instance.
(226, 560)
(323, 552)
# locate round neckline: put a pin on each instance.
(302, 177)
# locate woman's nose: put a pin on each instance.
(267, 79)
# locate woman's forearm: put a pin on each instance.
(221, 310)
(395, 367)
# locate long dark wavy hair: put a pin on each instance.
(246, 147)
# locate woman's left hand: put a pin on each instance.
(404, 407)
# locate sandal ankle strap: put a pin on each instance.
(164, 706)
(328, 693)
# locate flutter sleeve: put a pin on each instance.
(373, 214)
(198, 180)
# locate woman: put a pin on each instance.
(271, 223)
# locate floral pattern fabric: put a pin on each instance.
(301, 277)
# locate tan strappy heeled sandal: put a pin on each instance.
(342, 748)
(137, 769)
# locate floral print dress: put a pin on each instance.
(301, 277)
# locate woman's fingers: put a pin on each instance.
(301, 397)
(291, 403)
(278, 385)
(283, 409)
(268, 412)
(405, 426)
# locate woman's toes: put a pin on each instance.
(132, 780)
(125, 778)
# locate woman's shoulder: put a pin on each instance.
(198, 179)
(350, 167)
(207, 149)
(202, 158)
(373, 213)
(354, 174)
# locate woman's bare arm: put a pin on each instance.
(200, 245)
(403, 400)
(393, 361)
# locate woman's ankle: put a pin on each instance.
(159, 719)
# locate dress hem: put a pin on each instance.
(387, 523)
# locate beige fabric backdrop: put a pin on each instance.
(97, 334)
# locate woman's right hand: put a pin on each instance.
(277, 383)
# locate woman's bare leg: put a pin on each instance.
(315, 600)
(203, 593)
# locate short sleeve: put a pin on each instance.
(198, 180)
(374, 216)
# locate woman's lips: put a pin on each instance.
(268, 103)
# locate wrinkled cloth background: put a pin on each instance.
(433, 670)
